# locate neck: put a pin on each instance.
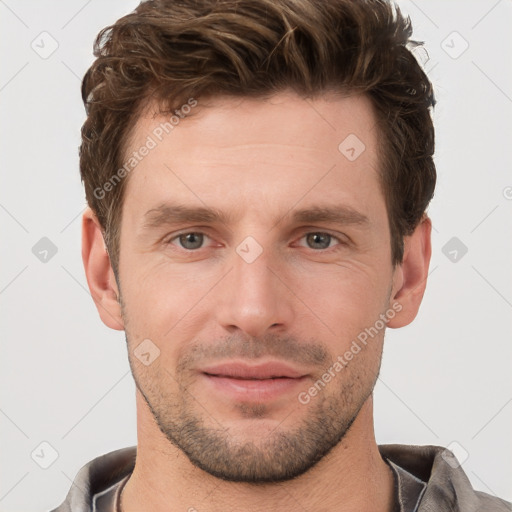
(353, 476)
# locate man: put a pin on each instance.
(258, 175)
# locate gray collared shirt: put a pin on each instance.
(427, 479)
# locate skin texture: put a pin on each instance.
(302, 301)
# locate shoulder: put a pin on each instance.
(97, 476)
(448, 487)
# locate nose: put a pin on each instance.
(254, 297)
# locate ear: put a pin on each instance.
(410, 278)
(100, 276)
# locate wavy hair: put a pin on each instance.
(167, 51)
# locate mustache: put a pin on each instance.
(271, 345)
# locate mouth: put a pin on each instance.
(244, 371)
(241, 381)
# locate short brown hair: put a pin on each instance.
(167, 51)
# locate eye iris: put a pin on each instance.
(319, 238)
(191, 240)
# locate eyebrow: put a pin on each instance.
(168, 214)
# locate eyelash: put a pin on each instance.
(334, 237)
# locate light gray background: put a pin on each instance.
(65, 378)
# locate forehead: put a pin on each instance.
(243, 152)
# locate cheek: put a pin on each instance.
(347, 297)
(165, 304)
(165, 292)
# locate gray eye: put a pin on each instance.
(319, 240)
(191, 240)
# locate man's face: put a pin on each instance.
(249, 311)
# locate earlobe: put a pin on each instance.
(410, 278)
(98, 271)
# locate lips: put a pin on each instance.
(239, 370)
(240, 381)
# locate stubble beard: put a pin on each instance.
(277, 455)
